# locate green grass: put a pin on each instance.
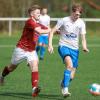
(18, 83)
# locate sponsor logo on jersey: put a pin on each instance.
(71, 35)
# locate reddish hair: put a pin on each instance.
(34, 7)
(77, 7)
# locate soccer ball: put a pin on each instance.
(94, 89)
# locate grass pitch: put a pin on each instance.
(18, 83)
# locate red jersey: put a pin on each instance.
(29, 37)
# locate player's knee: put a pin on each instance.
(44, 45)
(40, 44)
(69, 68)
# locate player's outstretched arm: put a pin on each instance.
(41, 31)
(50, 46)
(84, 43)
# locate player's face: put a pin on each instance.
(44, 11)
(76, 15)
(36, 14)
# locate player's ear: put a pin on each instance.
(31, 13)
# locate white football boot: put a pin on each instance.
(65, 91)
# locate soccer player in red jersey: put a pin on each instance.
(25, 48)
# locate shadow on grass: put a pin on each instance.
(50, 97)
(16, 95)
(28, 96)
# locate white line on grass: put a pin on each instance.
(10, 46)
(6, 46)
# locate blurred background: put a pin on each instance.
(56, 9)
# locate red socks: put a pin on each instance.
(5, 71)
(35, 79)
(34, 76)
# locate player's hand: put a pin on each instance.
(50, 49)
(85, 49)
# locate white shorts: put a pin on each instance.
(19, 55)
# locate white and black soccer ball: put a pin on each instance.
(94, 89)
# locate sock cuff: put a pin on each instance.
(35, 72)
(67, 71)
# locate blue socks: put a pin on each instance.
(42, 52)
(66, 78)
(37, 48)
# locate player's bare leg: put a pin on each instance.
(6, 71)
